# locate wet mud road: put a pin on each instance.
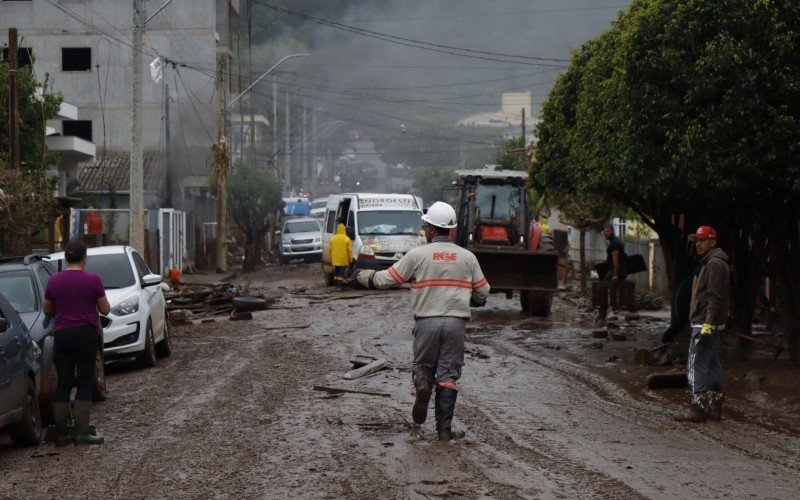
(545, 413)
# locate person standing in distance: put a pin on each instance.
(75, 297)
(617, 267)
(341, 253)
(445, 281)
(707, 314)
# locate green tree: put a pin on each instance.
(429, 181)
(254, 201)
(26, 201)
(687, 113)
(513, 156)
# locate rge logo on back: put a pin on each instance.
(447, 257)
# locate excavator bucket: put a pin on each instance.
(507, 269)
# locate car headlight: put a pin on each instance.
(286, 240)
(317, 240)
(126, 307)
(366, 250)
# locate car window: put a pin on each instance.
(330, 224)
(140, 265)
(115, 270)
(305, 226)
(44, 275)
(18, 288)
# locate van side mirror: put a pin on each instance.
(277, 232)
(350, 232)
(3, 325)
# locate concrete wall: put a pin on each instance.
(185, 31)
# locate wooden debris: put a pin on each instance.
(360, 360)
(206, 299)
(336, 390)
(600, 334)
(619, 337)
(240, 316)
(207, 320)
(378, 364)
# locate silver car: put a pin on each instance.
(301, 239)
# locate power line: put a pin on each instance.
(435, 47)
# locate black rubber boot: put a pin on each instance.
(423, 383)
(445, 405)
(61, 419)
(696, 414)
(82, 435)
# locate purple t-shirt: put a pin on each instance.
(75, 295)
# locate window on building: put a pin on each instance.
(76, 58)
(78, 128)
(23, 56)
(622, 228)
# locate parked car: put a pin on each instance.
(137, 324)
(19, 377)
(301, 239)
(22, 281)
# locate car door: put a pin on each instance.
(152, 295)
(12, 379)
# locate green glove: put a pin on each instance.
(704, 338)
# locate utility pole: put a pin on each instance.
(250, 72)
(167, 156)
(136, 190)
(287, 160)
(304, 152)
(274, 127)
(524, 142)
(13, 99)
(220, 154)
(314, 141)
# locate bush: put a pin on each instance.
(645, 299)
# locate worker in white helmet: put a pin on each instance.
(445, 280)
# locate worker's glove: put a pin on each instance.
(704, 339)
(365, 278)
(473, 302)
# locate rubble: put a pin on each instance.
(186, 301)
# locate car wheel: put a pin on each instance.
(164, 348)
(147, 358)
(99, 380)
(28, 432)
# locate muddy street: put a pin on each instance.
(545, 412)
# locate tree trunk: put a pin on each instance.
(583, 259)
(250, 253)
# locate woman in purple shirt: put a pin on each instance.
(75, 297)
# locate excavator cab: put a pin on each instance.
(495, 224)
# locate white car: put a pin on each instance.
(301, 239)
(137, 324)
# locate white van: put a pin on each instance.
(383, 228)
(318, 206)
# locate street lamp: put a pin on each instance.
(243, 92)
(221, 169)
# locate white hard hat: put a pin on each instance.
(440, 214)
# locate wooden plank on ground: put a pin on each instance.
(378, 364)
(336, 390)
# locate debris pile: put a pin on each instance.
(189, 301)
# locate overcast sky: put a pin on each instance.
(358, 75)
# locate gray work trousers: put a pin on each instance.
(703, 368)
(439, 345)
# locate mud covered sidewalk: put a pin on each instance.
(547, 413)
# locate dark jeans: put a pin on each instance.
(339, 273)
(75, 348)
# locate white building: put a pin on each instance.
(86, 49)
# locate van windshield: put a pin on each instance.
(390, 222)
